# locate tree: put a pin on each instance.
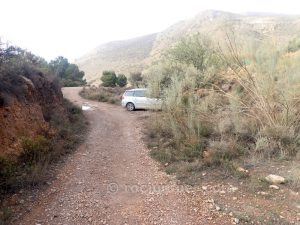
(109, 78)
(136, 79)
(121, 80)
(59, 66)
(196, 50)
(68, 74)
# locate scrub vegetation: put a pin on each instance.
(224, 102)
(110, 95)
(28, 82)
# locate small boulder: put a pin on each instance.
(236, 220)
(233, 189)
(275, 179)
(242, 170)
(263, 193)
(274, 187)
(206, 154)
(218, 208)
(204, 188)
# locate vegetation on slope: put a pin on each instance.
(136, 54)
(16, 62)
(67, 73)
(222, 104)
(26, 81)
(31, 166)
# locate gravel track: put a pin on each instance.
(111, 179)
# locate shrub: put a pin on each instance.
(36, 149)
(69, 74)
(121, 80)
(224, 103)
(162, 155)
(7, 168)
(109, 79)
(294, 45)
(136, 79)
(103, 94)
(193, 152)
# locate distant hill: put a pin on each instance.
(122, 56)
(134, 54)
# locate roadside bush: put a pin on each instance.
(269, 97)
(223, 103)
(121, 80)
(36, 149)
(103, 94)
(109, 79)
(135, 79)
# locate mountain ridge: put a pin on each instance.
(131, 55)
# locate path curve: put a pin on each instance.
(111, 179)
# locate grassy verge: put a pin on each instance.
(188, 157)
(32, 167)
(110, 95)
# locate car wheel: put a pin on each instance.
(130, 106)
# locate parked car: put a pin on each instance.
(137, 99)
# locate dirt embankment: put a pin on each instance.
(25, 110)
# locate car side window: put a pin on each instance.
(128, 93)
(139, 93)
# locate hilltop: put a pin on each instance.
(133, 55)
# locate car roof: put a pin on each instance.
(137, 89)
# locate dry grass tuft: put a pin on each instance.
(110, 95)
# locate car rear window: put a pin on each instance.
(128, 93)
(139, 93)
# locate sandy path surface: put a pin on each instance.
(111, 179)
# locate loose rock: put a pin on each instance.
(274, 187)
(275, 179)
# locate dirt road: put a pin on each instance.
(111, 179)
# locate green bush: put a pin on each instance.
(122, 80)
(36, 149)
(69, 74)
(109, 79)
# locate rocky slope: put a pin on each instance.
(26, 104)
(130, 55)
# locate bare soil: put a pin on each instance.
(111, 179)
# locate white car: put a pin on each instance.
(137, 99)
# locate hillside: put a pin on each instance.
(122, 56)
(277, 28)
(135, 54)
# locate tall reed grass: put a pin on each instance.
(233, 101)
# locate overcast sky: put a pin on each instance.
(71, 28)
